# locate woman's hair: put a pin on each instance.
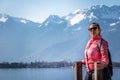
(96, 24)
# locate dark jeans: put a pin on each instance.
(101, 75)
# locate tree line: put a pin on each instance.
(43, 64)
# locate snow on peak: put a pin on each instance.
(91, 16)
(115, 23)
(96, 6)
(76, 11)
(54, 19)
(3, 19)
(112, 24)
(46, 23)
(77, 18)
(60, 22)
(78, 29)
(23, 21)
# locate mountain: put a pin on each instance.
(57, 38)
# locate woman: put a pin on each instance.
(92, 54)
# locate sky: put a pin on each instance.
(39, 10)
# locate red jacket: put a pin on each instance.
(92, 53)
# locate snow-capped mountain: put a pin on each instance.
(57, 38)
(94, 12)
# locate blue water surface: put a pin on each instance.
(44, 74)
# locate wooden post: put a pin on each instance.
(95, 68)
(78, 71)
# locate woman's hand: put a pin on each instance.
(101, 65)
(78, 62)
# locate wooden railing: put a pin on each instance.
(77, 71)
(95, 71)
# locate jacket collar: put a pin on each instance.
(98, 37)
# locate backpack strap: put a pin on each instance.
(99, 45)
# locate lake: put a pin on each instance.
(44, 74)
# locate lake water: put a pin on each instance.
(43, 74)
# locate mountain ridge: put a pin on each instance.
(57, 38)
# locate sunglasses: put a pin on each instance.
(93, 28)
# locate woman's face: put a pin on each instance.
(94, 30)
